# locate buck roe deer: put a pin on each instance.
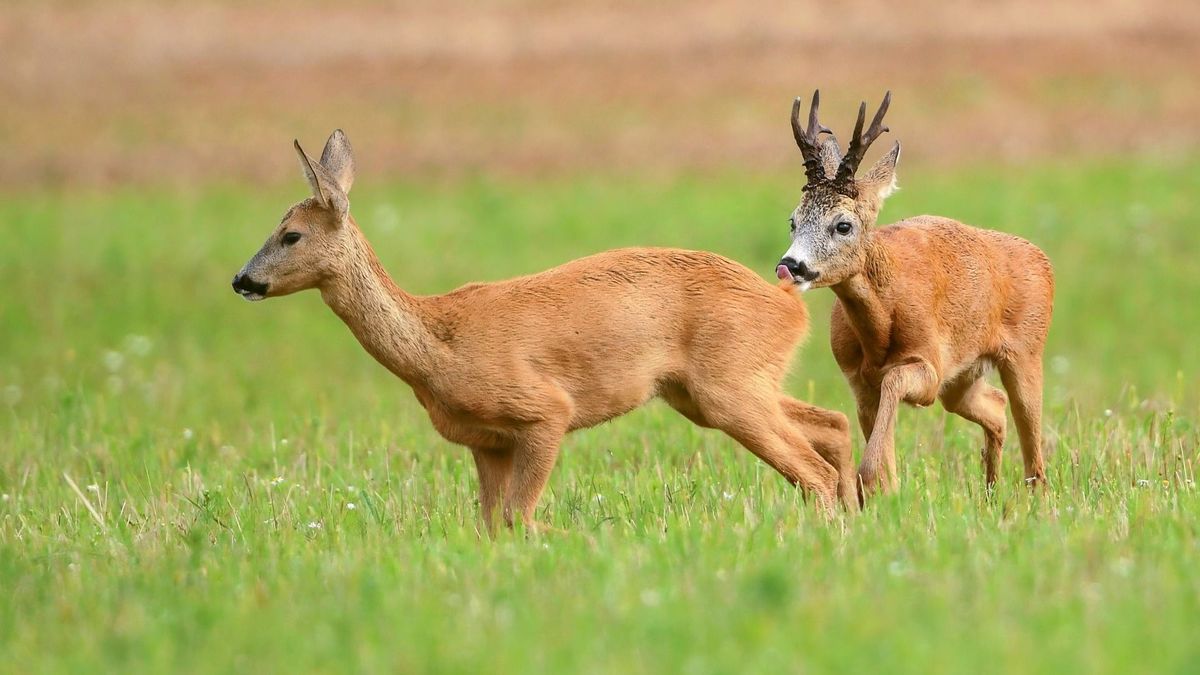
(508, 368)
(925, 307)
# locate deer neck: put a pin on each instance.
(388, 322)
(865, 297)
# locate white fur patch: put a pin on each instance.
(798, 252)
(887, 189)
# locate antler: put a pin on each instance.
(860, 142)
(807, 139)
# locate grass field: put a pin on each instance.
(191, 482)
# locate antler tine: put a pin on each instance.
(860, 142)
(806, 139)
(815, 128)
(797, 130)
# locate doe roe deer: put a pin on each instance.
(508, 368)
(925, 307)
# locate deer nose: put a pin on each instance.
(242, 283)
(799, 269)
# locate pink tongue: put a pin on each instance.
(783, 273)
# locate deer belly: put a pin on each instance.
(597, 405)
(468, 431)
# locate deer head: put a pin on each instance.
(313, 241)
(831, 227)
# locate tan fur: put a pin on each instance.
(508, 368)
(925, 307)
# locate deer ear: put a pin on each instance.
(325, 188)
(314, 181)
(881, 179)
(338, 160)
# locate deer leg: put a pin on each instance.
(534, 455)
(1022, 377)
(752, 416)
(495, 468)
(679, 399)
(786, 450)
(916, 382)
(983, 404)
(790, 453)
(765, 431)
(829, 433)
(866, 401)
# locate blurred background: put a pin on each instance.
(113, 92)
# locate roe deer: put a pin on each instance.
(508, 368)
(925, 307)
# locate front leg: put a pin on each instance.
(534, 455)
(495, 467)
(915, 381)
(866, 400)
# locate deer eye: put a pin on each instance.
(843, 227)
(291, 238)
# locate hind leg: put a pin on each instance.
(758, 423)
(790, 453)
(763, 430)
(1022, 377)
(829, 433)
(678, 398)
(972, 398)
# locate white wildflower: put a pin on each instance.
(138, 345)
(283, 441)
(93, 488)
(728, 496)
(276, 480)
(1108, 412)
(314, 525)
(5, 497)
(350, 506)
(113, 360)
(1142, 482)
(598, 498)
(187, 434)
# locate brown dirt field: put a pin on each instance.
(97, 93)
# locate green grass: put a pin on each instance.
(222, 444)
